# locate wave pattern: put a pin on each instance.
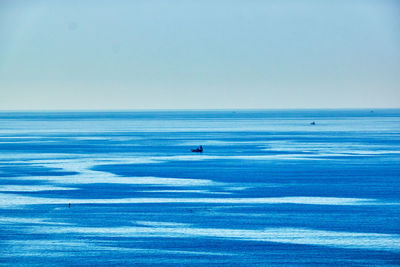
(124, 188)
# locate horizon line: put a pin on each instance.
(194, 110)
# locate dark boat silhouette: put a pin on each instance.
(313, 123)
(199, 149)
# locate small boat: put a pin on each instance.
(199, 149)
(313, 123)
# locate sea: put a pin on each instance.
(270, 188)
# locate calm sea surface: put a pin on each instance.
(123, 188)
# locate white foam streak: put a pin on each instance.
(162, 224)
(186, 191)
(111, 179)
(7, 200)
(87, 176)
(63, 248)
(32, 188)
(303, 236)
(14, 220)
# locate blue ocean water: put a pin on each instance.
(123, 188)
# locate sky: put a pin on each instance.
(219, 54)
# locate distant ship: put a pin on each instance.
(313, 123)
(199, 149)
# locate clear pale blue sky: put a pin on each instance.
(199, 54)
